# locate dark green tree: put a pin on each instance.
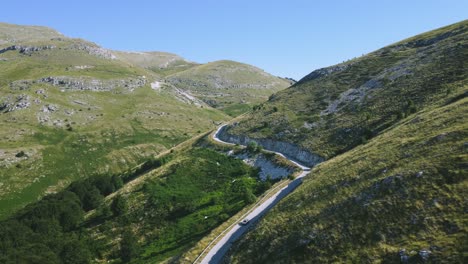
(75, 252)
(119, 206)
(92, 199)
(128, 246)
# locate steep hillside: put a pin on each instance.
(162, 63)
(401, 196)
(396, 193)
(149, 214)
(229, 86)
(337, 108)
(70, 109)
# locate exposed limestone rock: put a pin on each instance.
(352, 95)
(83, 67)
(94, 50)
(290, 150)
(267, 168)
(89, 84)
(21, 85)
(325, 71)
(49, 108)
(11, 104)
(27, 50)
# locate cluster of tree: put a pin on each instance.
(254, 147)
(46, 232)
(51, 230)
(197, 195)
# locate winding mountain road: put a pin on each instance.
(216, 253)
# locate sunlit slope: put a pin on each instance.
(70, 109)
(227, 85)
(337, 108)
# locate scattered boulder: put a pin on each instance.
(89, 84)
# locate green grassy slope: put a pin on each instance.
(162, 63)
(151, 213)
(398, 195)
(11, 33)
(75, 110)
(230, 86)
(403, 190)
(336, 108)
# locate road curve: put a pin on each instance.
(217, 252)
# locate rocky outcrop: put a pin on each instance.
(291, 151)
(10, 104)
(94, 50)
(324, 72)
(89, 84)
(27, 50)
(268, 169)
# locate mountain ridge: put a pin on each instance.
(392, 126)
(74, 109)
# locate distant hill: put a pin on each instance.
(11, 33)
(70, 108)
(393, 128)
(228, 85)
(162, 63)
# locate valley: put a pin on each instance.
(113, 156)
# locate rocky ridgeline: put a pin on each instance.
(289, 150)
(94, 50)
(27, 50)
(324, 72)
(89, 84)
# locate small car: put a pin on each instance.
(244, 222)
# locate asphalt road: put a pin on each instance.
(217, 252)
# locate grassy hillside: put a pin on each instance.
(396, 193)
(400, 194)
(151, 213)
(10, 33)
(337, 108)
(162, 63)
(229, 86)
(70, 109)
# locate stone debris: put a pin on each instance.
(27, 50)
(11, 104)
(49, 108)
(88, 84)
(94, 50)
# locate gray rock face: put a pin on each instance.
(94, 50)
(290, 150)
(88, 84)
(49, 108)
(325, 71)
(11, 104)
(267, 167)
(27, 50)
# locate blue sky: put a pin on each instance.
(286, 38)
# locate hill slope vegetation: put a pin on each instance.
(228, 85)
(396, 193)
(70, 109)
(337, 108)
